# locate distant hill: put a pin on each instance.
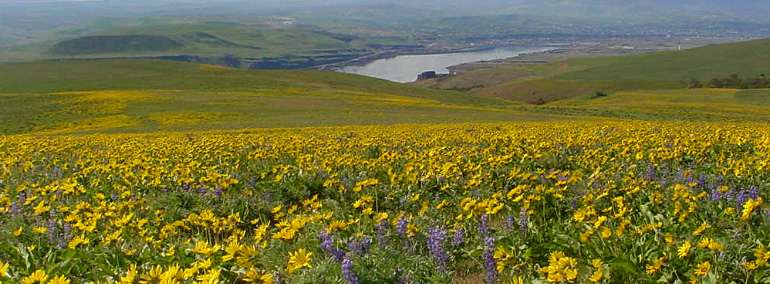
(585, 77)
(158, 95)
(114, 44)
(287, 46)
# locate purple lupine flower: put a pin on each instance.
(22, 198)
(754, 192)
(650, 174)
(716, 195)
(509, 223)
(702, 181)
(218, 192)
(66, 235)
(382, 229)
(401, 227)
(737, 235)
(15, 208)
(523, 219)
(347, 271)
(459, 236)
(436, 238)
(484, 226)
(488, 257)
(52, 236)
(728, 195)
(327, 245)
(360, 247)
(740, 199)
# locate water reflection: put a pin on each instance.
(405, 68)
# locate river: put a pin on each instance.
(405, 68)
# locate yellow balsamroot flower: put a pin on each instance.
(606, 233)
(59, 280)
(703, 268)
(700, 229)
(18, 231)
(749, 207)
(203, 247)
(670, 241)
(257, 276)
(37, 277)
(684, 250)
(749, 266)
(504, 259)
(130, 275)
(39, 230)
(560, 268)
(78, 241)
(3, 268)
(212, 276)
(153, 276)
(598, 273)
(41, 208)
(655, 266)
(411, 229)
(297, 260)
(286, 235)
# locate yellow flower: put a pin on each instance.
(39, 230)
(684, 250)
(18, 231)
(204, 248)
(700, 229)
(596, 276)
(3, 268)
(338, 224)
(606, 233)
(37, 277)
(749, 207)
(256, 276)
(59, 280)
(77, 241)
(130, 275)
(411, 229)
(703, 268)
(297, 260)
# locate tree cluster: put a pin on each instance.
(732, 82)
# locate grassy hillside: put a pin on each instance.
(114, 44)
(152, 95)
(683, 104)
(584, 77)
(202, 42)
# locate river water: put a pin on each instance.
(405, 68)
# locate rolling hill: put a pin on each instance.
(157, 95)
(585, 77)
(234, 45)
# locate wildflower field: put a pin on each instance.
(570, 202)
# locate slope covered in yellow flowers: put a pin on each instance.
(573, 202)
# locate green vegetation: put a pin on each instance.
(221, 44)
(114, 44)
(151, 95)
(585, 77)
